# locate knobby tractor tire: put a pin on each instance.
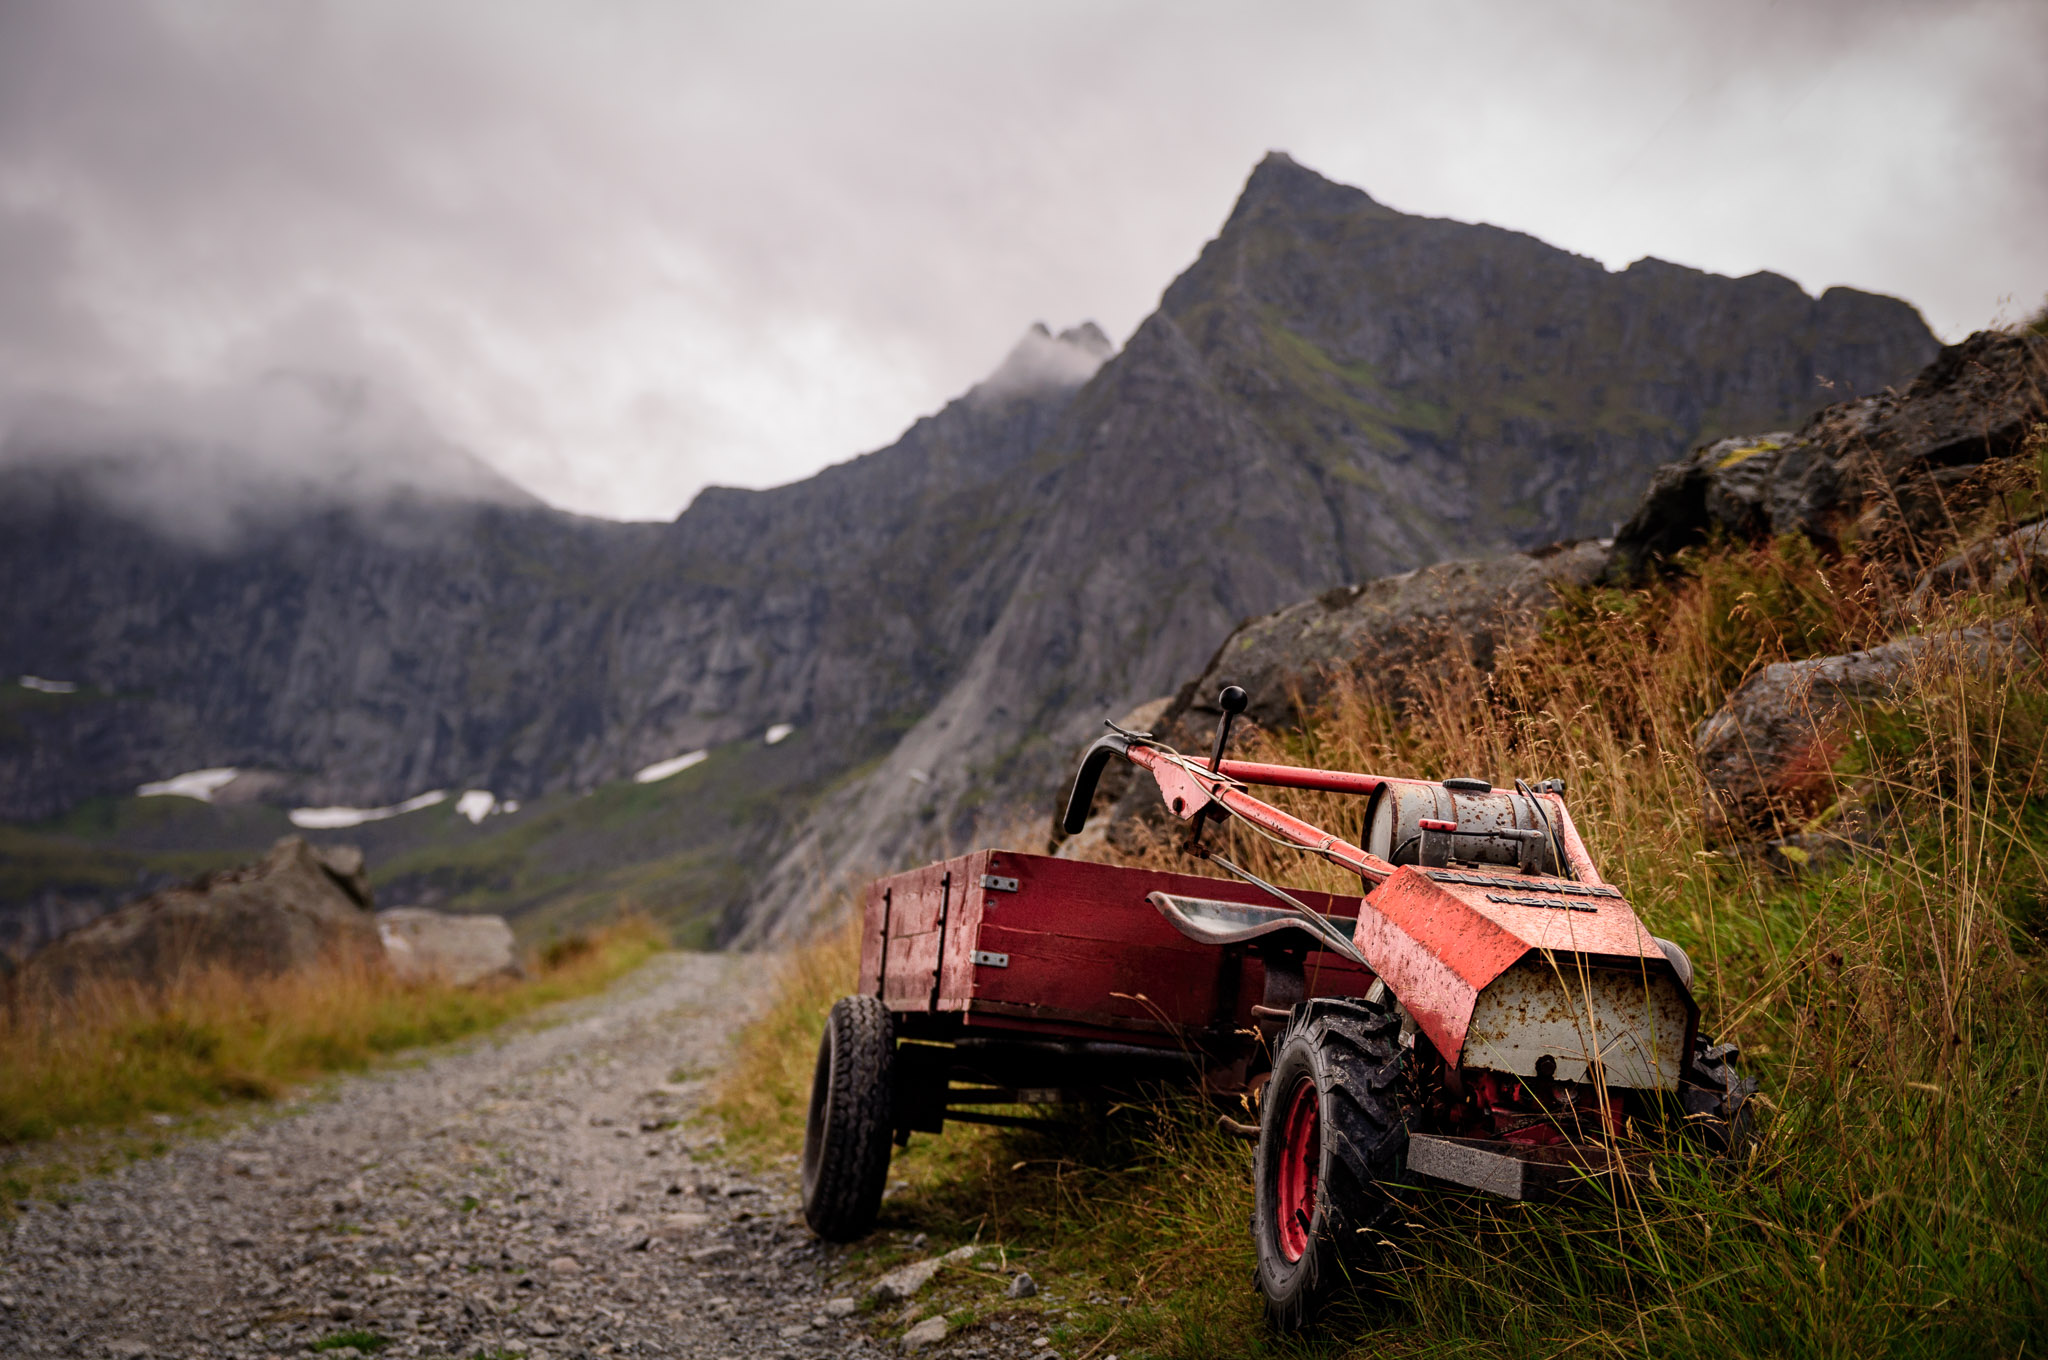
(1332, 1137)
(847, 1133)
(1715, 1097)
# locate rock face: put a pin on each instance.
(1886, 464)
(435, 946)
(1286, 660)
(1283, 660)
(1768, 756)
(296, 906)
(2009, 563)
(1333, 392)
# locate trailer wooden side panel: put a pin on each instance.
(1013, 938)
(905, 919)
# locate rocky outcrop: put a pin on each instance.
(436, 946)
(1769, 755)
(1395, 627)
(1896, 466)
(1999, 566)
(295, 907)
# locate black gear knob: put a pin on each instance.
(1233, 702)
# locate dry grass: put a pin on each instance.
(111, 1053)
(762, 1095)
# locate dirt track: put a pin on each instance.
(527, 1193)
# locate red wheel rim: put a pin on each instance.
(1294, 1189)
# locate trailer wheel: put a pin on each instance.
(847, 1133)
(1331, 1137)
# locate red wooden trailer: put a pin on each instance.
(1026, 979)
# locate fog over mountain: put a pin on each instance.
(206, 465)
(622, 252)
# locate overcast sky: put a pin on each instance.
(623, 250)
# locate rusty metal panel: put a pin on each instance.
(1440, 939)
(1461, 1162)
(1435, 952)
(1183, 795)
(1618, 1025)
(1513, 1171)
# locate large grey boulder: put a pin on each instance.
(1895, 465)
(297, 906)
(1286, 660)
(1399, 625)
(2010, 562)
(1768, 756)
(435, 946)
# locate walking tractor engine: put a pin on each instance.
(1485, 1013)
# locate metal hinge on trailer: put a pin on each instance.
(997, 883)
(988, 958)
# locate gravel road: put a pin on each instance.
(537, 1193)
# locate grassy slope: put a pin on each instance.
(1892, 1005)
(110, 1055)
(671, 850)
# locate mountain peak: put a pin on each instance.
(1279, 182)
(1042, 361)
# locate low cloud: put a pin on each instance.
(1043, 362)
(209, 465)
(621, 251)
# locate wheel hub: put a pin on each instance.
(1294, 1194)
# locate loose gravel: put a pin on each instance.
(542, 1193)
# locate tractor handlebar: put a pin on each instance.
(1088, 776)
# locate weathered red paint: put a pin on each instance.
(1302, 777)
(1294, 1189)
(1087, 954)
(1187, 787)
(915, 905)
(1434, 952)
(1438, 945)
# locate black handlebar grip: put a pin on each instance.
(1233, 702)
(1088, 776)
